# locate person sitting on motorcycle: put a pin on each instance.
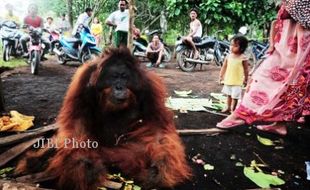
(35, 21)
(195, 33)
(50, 27)
(154, 52)
(84, 20)
(10, 16)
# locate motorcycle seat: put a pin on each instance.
(72, 40)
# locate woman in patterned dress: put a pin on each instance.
(279, 90)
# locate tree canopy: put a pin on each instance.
(226, 15)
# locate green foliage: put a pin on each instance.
(14, 62)
(225, 15)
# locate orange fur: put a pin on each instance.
(150, 151)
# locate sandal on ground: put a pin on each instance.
(273, 128)
(226, 124)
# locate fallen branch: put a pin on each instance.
(265, 189)
(16, 150)
(43, 176)
(36, 177)
(216, 113)
(211, 131)
(9, 185)
(260, 159)
(4, 141)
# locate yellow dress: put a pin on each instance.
(234, 74)
(96, 29)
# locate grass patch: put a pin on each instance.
(14, 62)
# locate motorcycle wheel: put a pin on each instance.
(35, 61)
(185, 66)
(61, 59)
(88, 56)
(167, 55)
(6, 52)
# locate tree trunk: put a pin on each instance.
(69, 9)
(1, 97)
(131, 23)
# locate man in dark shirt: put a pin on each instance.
(32, 19)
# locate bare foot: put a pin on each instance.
(226, 110)
(275, 127)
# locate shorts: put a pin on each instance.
(120, 38)
(234, 91)
(196, 39)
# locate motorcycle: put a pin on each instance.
(10, 36)
(210, 49)
(258, 53)
(54, 37)
(258, 50)
(140, 46)
(80, 49)
(35, 49)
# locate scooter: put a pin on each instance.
(210, 50)
(79, 49)
(54, 37)
(10, 36)
(140, 46)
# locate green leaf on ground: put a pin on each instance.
(265, 141)
(261, 179)
(208, 167)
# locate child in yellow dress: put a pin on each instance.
(96, 30)
(234, 72)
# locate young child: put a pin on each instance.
(234, 72)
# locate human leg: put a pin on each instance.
(276, 127)
(47, 45)
(190, 42)
(159, 58)
(123, 38)
(234, 103)
(152, 56)
(117, 39)
(23, 40)
(228, 105)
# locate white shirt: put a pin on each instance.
(199, 30)
(120, 19)
(82, 19)
(49, 27)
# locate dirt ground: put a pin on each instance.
(42, 97)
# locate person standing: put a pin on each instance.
(9, 16)
(96, 30)
(195, 32)
(120, 20)
(83, 19)
(63, 25)
(234, 72)
(279, 88)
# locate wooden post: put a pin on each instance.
(1, 97)
(69, 12)
(131, 23)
